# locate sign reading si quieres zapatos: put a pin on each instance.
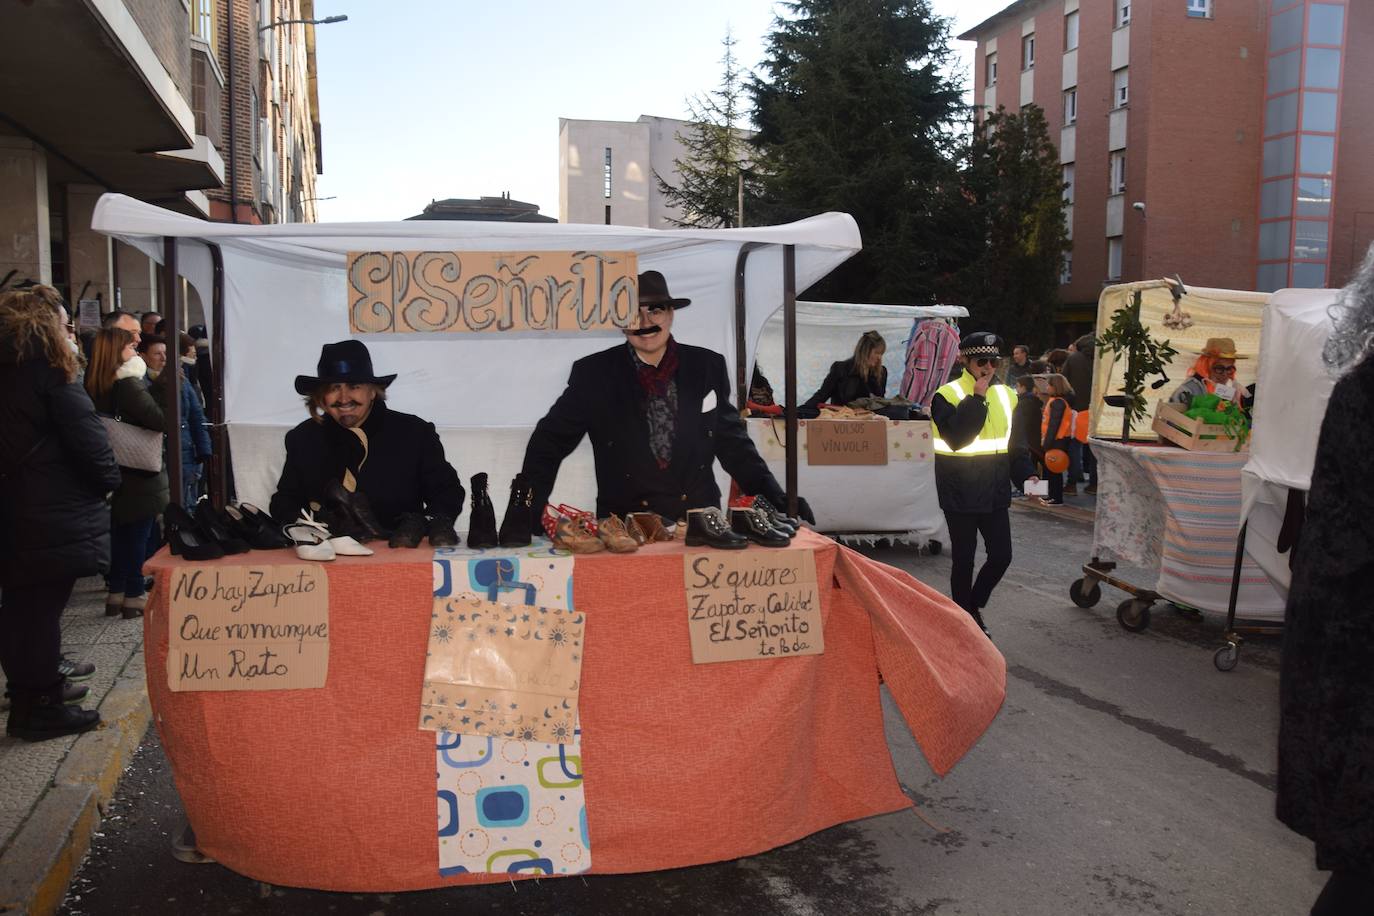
(448, 292)
(248, 628)
(751, 604)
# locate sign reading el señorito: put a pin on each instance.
(462, 292)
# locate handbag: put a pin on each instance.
(133, 446)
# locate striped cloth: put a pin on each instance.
(930, 355)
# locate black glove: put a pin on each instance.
(804, 510)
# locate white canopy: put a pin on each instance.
(286, 295)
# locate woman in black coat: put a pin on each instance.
(1326, 682)
(56, 469)
(861, 376)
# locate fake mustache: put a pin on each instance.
(645, 332)
(344, 405)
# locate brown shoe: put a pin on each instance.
(651, 523)
(636, 532)
(1071, 489)
(572, 534)
(612, 532)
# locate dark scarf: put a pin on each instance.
(659, 386)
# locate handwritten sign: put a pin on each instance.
(248, 628)
(752, 604)
(846, 442)
(463, 292)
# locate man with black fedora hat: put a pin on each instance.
(659, 415)
(972, 418)
(353, 439)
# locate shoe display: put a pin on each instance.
(576, 535)
(114, 601)
(311, 539)
(354, 510)
(75, 671)
(754, 525)
(775, 515)
(707, 528)
(255, 530)
(217, 528)
(632, 528)
(37, 715)
(651, 523)
(133, 607)
(409, 530)
(73, 694)
(515, 526)
(482, 516)
(441, 532)
(190, 544)
(614, 535)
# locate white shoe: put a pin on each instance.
(345, 546)
(311, 540)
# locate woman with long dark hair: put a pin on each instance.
(116, 381)
(863, 375)
(56, 469)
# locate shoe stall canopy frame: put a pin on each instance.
(279, 292)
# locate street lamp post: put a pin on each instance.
(325, 21)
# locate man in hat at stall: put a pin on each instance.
(659, 415)
(1214, 372)
(354, 439)
(972, 418)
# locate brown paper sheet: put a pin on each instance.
(248, 628)
(752, 604)
(502, 670)
(464, 292)
(858, 442)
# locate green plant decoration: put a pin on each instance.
(1144, 356)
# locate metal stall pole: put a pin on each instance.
(172, 410)
(219, 435)
(789, 324)
(741, 358)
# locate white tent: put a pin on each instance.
(1290, 401)
(285, 295)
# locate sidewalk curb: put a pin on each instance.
(1071, 513)
(49, 847)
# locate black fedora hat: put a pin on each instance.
(653, 290)
(346, 361)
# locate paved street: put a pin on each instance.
(1123, 775)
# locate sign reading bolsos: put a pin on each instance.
(463, 292)
(750, 604)
(248, 628)
(846, 442)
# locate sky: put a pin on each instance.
(429, 99)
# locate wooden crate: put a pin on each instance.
(1185, 431)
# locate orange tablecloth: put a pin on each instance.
(684, 764)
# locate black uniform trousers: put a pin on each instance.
(964, 528)
(31, 633)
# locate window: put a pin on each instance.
(1071, 31)
(1123, 12)
(1066, 270)
(1200, 9)
(991, 71)
(606, 182)
(608, 214)
(1121, 90)
(1114, 258)
(1070, 105)
(1325, 24)
(1117, 173)
(1028, 51)
(1068, 183)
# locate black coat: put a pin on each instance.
(1326, 682)
(141, 494)
(405, 470)
(968, 484)
(1078, 370)
(603, 400)
(844, 384)
(54, 520)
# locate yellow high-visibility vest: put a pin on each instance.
(995, 435)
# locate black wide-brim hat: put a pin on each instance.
(653, 290)
(346, 362)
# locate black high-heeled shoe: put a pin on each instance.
(515, 525)
(215, 527)
(188, 543)
(258, 535)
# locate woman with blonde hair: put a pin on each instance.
(116, 381)
(56, 468)
(863, 375)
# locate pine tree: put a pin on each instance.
(717, 155)
(855, 113)
(1004, 228)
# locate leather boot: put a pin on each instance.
(354, 508)
(515, 527)
(755, 526)
(442, 533)
(613, 534)
(36, 715)
(409, 530)
(651, 523)
(574, 535)
(775, 516)
(482, 520)
(707, 528)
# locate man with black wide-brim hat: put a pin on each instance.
(353, 439)
(659, 415)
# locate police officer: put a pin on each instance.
(972, 417)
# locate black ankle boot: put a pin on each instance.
(409, 530)
(356, 509)
(36, 715)
(442, 533)
(482, 517)
(707, 528)
(515, 527)
(754, 525)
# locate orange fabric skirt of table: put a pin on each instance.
(684, 764)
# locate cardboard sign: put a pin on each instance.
(248, 628)
(751, 604)
(465, 292)
(846, 441)
(500, 670)
(88, 313)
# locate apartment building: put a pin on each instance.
(606, 170)
(158, 99)
(1222, 140)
